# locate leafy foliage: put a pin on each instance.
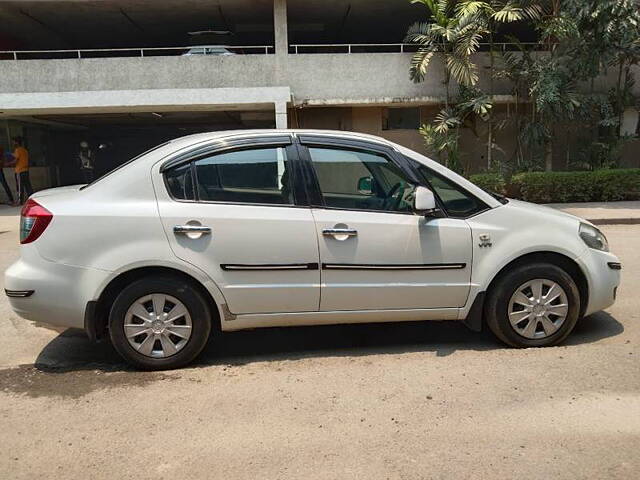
(441, 136)
(560, 187)
(491, 182)
(454, 34)
(555, 90)
(455, 30)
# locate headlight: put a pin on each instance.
(593, 237)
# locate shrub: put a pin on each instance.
(492, 182)
(561, 187)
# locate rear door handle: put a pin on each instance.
(349, 232)
(192, 229)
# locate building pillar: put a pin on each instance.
(280, 27)
(281, 115)
(281, 43)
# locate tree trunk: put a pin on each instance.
(548, 155)
(490, 145)
(490, 120)
(620, 98)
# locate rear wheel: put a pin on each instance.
(159, 323)
(535, 305)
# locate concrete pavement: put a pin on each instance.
(414, 400)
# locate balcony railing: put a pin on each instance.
(349, 48)
(217, 50)
(134, 52)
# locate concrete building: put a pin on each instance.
(121, 74)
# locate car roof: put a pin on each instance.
(199, 137)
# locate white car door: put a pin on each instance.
(375, 252)
(234, 211)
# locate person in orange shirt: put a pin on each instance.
(21, 162)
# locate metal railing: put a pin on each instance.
(348, 48)
(130, 52)
(296, 48)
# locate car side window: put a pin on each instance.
(180, 182)
(258, 176)
(359, 180)
(457, 202)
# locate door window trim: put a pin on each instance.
(222, 145)
(300, 198)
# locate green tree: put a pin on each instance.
(451, 33)
(443, 134)
(607, 37)
(455, 29)
(491, 16)
(583, 40)
(542, 81)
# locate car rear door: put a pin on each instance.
(235, 211)
(375, 253)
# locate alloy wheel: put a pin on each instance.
(538, 308)
(157, 325)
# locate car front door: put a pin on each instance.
(236, 213)
(375, 253)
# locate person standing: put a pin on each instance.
(21, 168)
(85, 156)
(3, 180)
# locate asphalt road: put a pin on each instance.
(421, 400)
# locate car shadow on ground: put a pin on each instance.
(72, 351)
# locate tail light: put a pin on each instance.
(34, 219)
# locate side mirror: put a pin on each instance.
(424, 200)
(365, 186)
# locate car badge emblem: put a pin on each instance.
(485, 240)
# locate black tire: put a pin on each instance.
(181, 290)
(497, 304)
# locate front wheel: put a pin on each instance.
(159, 323)
(534, 305)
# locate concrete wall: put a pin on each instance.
(356, 78)
(70, 75)
(331, 79)
(321, 77)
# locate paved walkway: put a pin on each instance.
(603, 213)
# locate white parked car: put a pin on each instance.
(208, 50)
(232, 230)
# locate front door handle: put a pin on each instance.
(348, 232)
(192, 229)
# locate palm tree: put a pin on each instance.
(491, 15)
(449, 32)
(456, 37)
(455, 29)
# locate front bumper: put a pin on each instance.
(602, 270)
(58, 293)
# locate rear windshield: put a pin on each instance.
(124, 165)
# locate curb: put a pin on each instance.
(614, 221)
